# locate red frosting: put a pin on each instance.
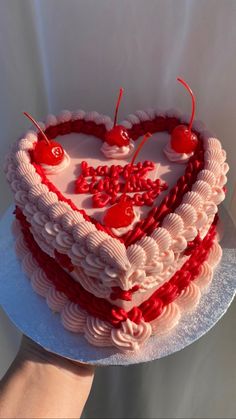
(99, 307)
(107, 182)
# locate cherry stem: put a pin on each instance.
(193, 101)
(38, 126)
(117, 105)
(140, 146)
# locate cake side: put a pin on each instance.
(110, 326)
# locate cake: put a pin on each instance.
(119, 249)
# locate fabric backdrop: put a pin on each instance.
(70, 54)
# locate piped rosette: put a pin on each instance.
(117, 142)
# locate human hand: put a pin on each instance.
(41, 384)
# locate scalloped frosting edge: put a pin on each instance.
(130, 337)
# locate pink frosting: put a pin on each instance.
(28, 264)
(20, 247)
(73, 317)
(215, 254)
(39, 282)
(98, 332)
(168, 319)
(55, 299)
(189, 298)
(130, 336)
(205, 276)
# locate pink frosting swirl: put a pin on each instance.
(189, 298)
(115, 152)
(205, 276)
(40, 282)
(73, 317)
(215, 254)
(168, 319)
(20, 247)
(130, 336)
(56, 299)
(29, 264)
(98, 332)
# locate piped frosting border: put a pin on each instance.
(130, 335)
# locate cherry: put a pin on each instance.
(183, 140)
(46, 152)
(119, 215)
(118, 135)
(51, 154)
(122, 213)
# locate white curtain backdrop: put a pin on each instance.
(70, 54)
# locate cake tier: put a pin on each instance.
(103, 324)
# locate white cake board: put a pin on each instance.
(30, 313)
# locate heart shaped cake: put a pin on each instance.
(120, 249)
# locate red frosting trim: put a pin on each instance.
(168, 204)
(118, 293)
(101, 308)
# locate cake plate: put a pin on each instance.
(30, 313)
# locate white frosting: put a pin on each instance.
(53, 170)
(174, 156)
(115, 152)
(51, 120)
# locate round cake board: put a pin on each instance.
(30, 313)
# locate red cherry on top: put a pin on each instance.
(46, 152)
(118, 135)
(183, 140)
(51, 154)
(119, 215)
